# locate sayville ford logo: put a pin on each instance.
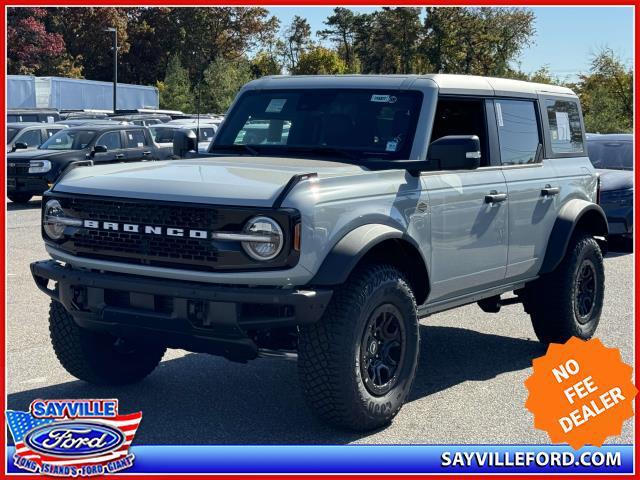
(73, 437)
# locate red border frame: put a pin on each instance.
(276, 3)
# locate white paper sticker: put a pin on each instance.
(130, 136)
(499, 115)
(392, 145)
(50, 120)
(276, 105)
(564, 131)
(58, 140)
(140, 144)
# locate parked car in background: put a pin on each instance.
(33, 172)
(78, 122)
(29, 135)
(142, 119)
(612, 156)
(43, 115)
(83, 114)
(163, 134)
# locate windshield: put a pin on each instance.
(69, 140)
(362, 123)
(613, 155)
(11, 132)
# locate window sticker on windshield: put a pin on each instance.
(276, 105)
(58, 140)
(499, 115)
(383, 98)
(392, 146)
(562, 121)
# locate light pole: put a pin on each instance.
(115, 66)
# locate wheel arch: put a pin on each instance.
(577, 214)
(375, 243)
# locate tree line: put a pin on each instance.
(199, 57)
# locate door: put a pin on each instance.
(468, 209)
(115, 152)
(531, 185)
(137, 145)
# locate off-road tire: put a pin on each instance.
(19, 197)
(329, 351)
(552, 299)
(94, 357)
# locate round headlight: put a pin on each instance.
(269, 238)
(53, 229)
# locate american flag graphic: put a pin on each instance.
(21, 423)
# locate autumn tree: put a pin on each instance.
(606, 94)
(319, 61)
(34, 49)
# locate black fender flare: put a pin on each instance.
(588, 215)
(350, 249)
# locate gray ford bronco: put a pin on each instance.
(328, 216)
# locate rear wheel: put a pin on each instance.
(357, 364)
(99, 358)
(568, 301)
(18, 197)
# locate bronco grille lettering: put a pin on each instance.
(147, 229)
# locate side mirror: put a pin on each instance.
(455, 152)
(184, 141)
(100, 149)
(20, 146)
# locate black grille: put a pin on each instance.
(163, 250)
(14, 169)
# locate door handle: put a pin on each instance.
(495, 197)
(120, 155)
(146, 153)
(549, 191)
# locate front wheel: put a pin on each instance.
(357, 363)
(99, 358)
(568, 301)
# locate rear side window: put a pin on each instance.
(565, 128)
(136, 138)
(517, 131)
(31, 138)
(111, 140)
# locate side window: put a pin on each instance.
(31, 137)
(111, 140)
(136, 138)
(518, 132)
(206, 134)
(462, 117)
(565, 128)
(52, 131)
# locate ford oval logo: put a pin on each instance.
(74, 439)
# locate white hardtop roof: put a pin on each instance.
(447, 83)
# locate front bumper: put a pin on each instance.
(193, 316)
(27, 184)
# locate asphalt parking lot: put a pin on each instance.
(469, 389)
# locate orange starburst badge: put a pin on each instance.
(580, 392)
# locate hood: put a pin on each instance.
(615, 179)
(242, 181)
(26, 155)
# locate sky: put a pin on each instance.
(589, 28)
